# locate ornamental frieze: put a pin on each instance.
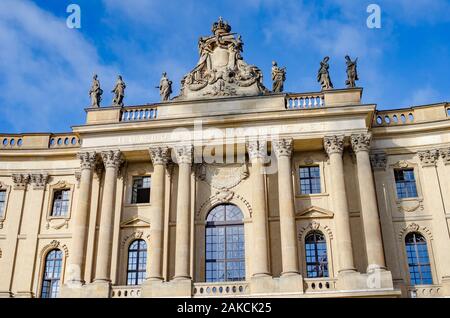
(222, 176)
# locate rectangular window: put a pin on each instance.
(141, 190)
(310, 180)
(60, 203)
(405, 183)
(2, 202)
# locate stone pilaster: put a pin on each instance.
(184, 156)
(334, 146)
(369, 207)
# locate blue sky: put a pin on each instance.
(46, 68)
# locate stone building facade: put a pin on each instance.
(230, 193)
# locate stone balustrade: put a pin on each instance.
(425, 291)
(390, 118)
(220, 289)
(305, 101)
(125, 292)
(64, 141)
(319, 285)
(139, 114)
(39, 141)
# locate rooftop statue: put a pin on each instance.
(96, 92)
(278, 77)
(352, 72)
(119, 92)
(221, 70)
(323, 76)
(165, 88)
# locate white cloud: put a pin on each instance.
(423, 96)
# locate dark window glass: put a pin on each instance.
(2, 202)
(405, 183)
(418, 260)
(225, 250)
(141, 190)
(310, 180)
(52, 274)
(137, 262)
(60, 203)
(316, 255)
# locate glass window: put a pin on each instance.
(316, 255)
(310, 180)
(52, 274)
(137, 262)
(225, 249)
(141, 190)
(2, 202)
(405, 183)
(418, 260)
(60, 203)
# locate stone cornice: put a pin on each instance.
(428, 158)
(283, 147)
(334, 144)
(361, 142)
(184, 154)
(257, 149)
(159, 155)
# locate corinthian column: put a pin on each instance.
(257, 151)
(159, 156)
(182, 249)
(369, 207)
(77, 257)
(112, 161)
(334, 146)
(283, 151)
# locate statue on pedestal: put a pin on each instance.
(352, 73)
(165, 88)
(278, 77)
(323, 76)
(96, 92)
(119, 92)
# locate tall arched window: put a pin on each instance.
(225, 250)
(316, 255)
(418, 260)
(137, 262)
(52, 274)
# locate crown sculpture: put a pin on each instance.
(221, 70)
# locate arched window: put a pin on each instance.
(52, 274)
(225, 250)
(137, 262)
(316, 255)
(418, 260)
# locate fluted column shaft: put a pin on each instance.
(334, 146)
(182, 248)
(159, 156)
(78, 253)
(283, 151)
(257, 151)
(369, 207)
(112, 161)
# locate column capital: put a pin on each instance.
(257, 149)
(112, 158)
(334, 144)
(283, 147)
(159, 155)
(87, 159)
(428, 158)
(184, 153)
(379, 161)
(20, 180)
(361, 142)
(39, 180)
(445, 155)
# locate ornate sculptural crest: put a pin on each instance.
(278, 77)
(221, 70)
(95, 92)
(323, 76)
(165, 88)
(352, 73)
(119, 92)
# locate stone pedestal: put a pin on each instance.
(175, 288)
(375, 280)
(94, 290)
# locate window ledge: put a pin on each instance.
(137, 205)
(414, 199)
(307, 196)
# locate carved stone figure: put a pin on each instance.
(119, 92)
(323, 76)
(96, 92)
(352, 73)
(221, 70)
(165, 88)
(278, 77)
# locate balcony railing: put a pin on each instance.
(305, 101)
(425, 291)
(319, 284)
(395, 117)
(139, 114)
(125, 292)
(221, 289)
(39, 141)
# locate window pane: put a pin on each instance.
(52, 274)
(418, 260)
(316, 255)
(405, 183)
(141, 190)
(310, 180)
(137, 262)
